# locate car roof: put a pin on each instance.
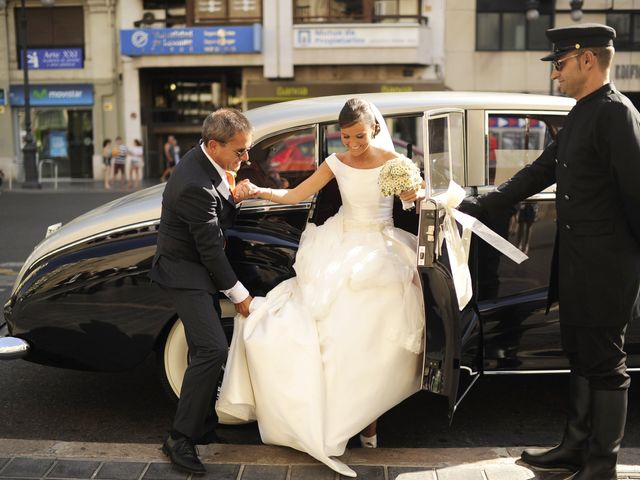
(285, 115)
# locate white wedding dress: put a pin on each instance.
(327, 352)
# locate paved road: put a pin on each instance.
(40, 402)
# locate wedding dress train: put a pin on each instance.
(327, 352)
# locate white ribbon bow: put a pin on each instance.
(458, 246)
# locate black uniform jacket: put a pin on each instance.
(595, 163)
(196, 208)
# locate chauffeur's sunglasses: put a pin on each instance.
(558, 64)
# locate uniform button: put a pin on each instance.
(556, 161)
(564, 165)
(567, 197)
(567, 226)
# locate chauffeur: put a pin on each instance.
(595, 163)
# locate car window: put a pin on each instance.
(406, 134)
(516, 140)
(446, 150)
(283, 160)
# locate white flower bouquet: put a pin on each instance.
(398, 175)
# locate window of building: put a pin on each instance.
(52, 27)
(365, 11)
(224, 11)
(179, 13)
(503, 25)
(627, 25)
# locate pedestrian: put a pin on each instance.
(119, 161)
(190, 264)
(171, 152)
(136, 162)
(106, 161)
(595, 163)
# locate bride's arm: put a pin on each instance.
(304, 190)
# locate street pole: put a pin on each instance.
(29, 149)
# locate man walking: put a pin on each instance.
(191, 265)
(595, 162)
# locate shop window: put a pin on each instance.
(366, 11)
(282, 161)
(503, 25)
(54, 27)
(627, 25)
(516, 140)
(186, 101)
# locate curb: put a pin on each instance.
(431, 458)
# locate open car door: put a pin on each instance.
(453, 337)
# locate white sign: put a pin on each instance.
(355, 37)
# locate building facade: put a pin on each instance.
(147, 69)
(72, 56)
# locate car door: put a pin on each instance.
(453, 353)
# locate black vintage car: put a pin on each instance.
(83, 298)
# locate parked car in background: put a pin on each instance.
(83, 298)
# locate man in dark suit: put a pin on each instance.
(595, 163)
(191, 265)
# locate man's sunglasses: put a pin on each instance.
(557, 64)
(239, 153)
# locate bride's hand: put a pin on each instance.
(245, 189)
(412, 195)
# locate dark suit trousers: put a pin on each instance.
(208, 349)
(597, 353)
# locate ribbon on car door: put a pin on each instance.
(458, 245)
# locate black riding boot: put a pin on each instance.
(608, 417)
(571, 453)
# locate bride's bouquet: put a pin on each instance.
(398, 175)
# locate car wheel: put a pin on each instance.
(172, 360)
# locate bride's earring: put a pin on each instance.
(369, 442)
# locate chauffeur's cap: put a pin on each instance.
(574, 37)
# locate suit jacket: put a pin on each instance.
(196, 209)
(595, 163)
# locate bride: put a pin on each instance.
(327, 352)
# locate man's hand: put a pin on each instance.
(245, 189)
(243, 307)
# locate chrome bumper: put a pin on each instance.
(12, 347)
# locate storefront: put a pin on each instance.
(61, 124)
(180, 75)
(261, 93)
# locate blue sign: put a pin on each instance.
(2, 99)
(53, 58)
(58, 145)
(49, 95)
(191, 41)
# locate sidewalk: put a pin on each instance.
(44, 459)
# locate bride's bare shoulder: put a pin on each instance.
(389, 155)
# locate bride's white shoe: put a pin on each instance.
(369, 442)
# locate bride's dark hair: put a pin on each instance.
(358, 110)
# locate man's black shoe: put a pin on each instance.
(208, 438)
(183, 454)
